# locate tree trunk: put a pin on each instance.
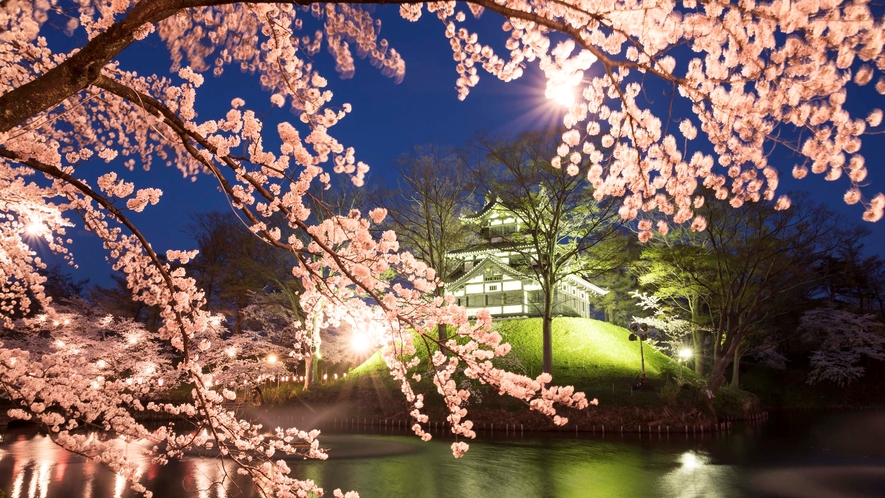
(548, 344)
(721, 361)
(717, 374)
(547, 332)
(238, 321)
(736, 369)
(697, 339)
(442, 333)
(315, 367)
(308, 361)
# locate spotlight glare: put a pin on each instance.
(360, 343)
(563, 94)
(34, 228)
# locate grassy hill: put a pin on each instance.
(595, 357)
(586, 353)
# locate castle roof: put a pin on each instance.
(491, 202)
(488, 263)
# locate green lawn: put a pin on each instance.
(595, 357)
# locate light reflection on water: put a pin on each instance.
(799, 460)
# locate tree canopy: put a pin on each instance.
(731, 278)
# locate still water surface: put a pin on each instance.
(808, 456)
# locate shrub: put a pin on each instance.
(669, 370)
(730, 402)
(669, 393)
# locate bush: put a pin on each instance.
(730, 402)
(669, 371)
(669, 393)
(277, 395)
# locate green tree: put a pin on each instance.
(617, 306)
(116, 299)
(735, 275)
(563, 227)
(233, 263)
(853, 279)
(675, 267)
(61, 286)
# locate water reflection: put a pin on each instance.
(32, 466)
(777, 461)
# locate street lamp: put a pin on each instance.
(34, 228)
(563, 93)
(640, 333)
(684, 355)
(360, 343)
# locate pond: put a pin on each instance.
(802, 455)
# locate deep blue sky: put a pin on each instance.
(389, 119)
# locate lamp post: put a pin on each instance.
(640, 333)
(684, 355)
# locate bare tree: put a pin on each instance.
(426, 206)
(562, 226)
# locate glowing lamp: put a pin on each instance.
(34, 228)
(562, 94)
(360, 343)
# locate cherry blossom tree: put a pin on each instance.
(674, 329)
(845, 338)
(249, 358)
(760, 73)
(113, 348)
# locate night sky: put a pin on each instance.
(389, 119)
